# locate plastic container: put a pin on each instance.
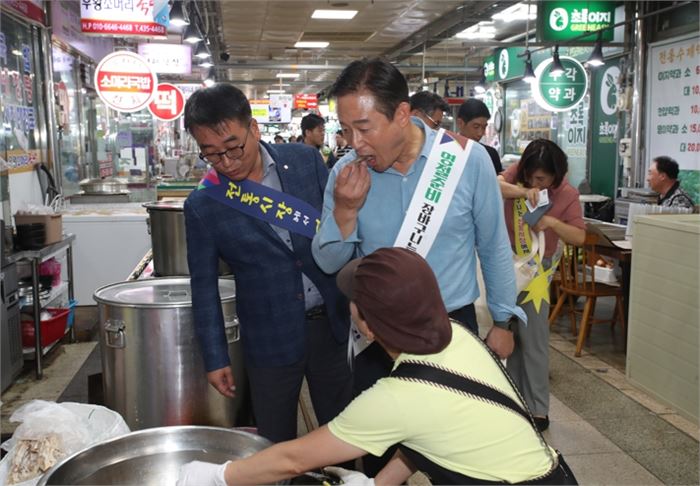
(51, 329)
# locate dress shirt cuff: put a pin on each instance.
(504, 313)
(330, 233)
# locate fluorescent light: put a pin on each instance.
(288, 75)
(333, 14)
(519, 11)
(206, 64)
(276, 91)
(311, 45)
(482, 30)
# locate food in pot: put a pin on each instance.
(34, 457)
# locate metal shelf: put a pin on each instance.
(56, 292)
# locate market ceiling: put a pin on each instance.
(259, 38)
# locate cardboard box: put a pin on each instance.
(604, 274)
(52, 222)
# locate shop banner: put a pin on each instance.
(131, 18)
(565, 20)
(604, 95)
(168, 102)
(674, 108)
(306, 101)
(278, 109)
(167, 58)
(65, 23)
(560, 91)
(125, 82)
(31, 9)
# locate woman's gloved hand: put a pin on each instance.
(198, 473)
(351, 478)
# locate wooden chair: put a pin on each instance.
(576, 281)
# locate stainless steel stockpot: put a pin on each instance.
(152, 368)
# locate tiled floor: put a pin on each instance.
(609, 432)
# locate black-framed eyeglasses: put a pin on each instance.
(231, 154)
(436, 124)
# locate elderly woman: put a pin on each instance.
(542, 167)
(453, 436)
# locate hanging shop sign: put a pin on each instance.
(604, 99)
(277, 109)
(560, 91)
(65, 26)
(167, 58)
(131, 18)
(31, 9)
(168, 102)
(306, 101)
(125, 81)
(565, 20)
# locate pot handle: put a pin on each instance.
(114, 334)
(232, 328)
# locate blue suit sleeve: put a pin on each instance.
(492, 242)
(203, 262)
(329, 248)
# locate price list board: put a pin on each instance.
(673, 126)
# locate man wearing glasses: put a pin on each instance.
(429, 107)
(254, 210)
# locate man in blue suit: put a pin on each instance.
(294, 321)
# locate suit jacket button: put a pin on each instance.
(300, 296)
(299, 264)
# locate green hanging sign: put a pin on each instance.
(564, 20)
(604, 96)
(560, 91)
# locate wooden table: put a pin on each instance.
(624, 256)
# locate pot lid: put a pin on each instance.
(165, 205)
(157, 292)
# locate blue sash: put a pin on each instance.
(262, 202)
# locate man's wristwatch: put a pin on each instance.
(508, 325)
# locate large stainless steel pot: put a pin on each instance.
(104, 186)
(166, 220)
(152, 369)
(152, 457)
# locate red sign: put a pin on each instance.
(168, 103)
(33, 10)
(125, 82)
(306, 101)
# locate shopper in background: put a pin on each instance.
(294, 322)
(453, 438)
(342, 146)
(366, 201)
(472, 119)
(429, 107)
(313, 129)
(663, 178)
(279, 138)
(543, 166)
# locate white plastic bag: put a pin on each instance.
(77, 425)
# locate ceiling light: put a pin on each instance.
(333, 14)
(276, 91)
(202, 51)
(177, 14)
(480, 87)
(596, 58)
(529, 76)
(192, 34)
(556, 68)
(288, 75)
(519, 11)
(206, 64)
(311, 45)
(210, 80)
(482, 30)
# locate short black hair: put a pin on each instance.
(546, 155)
(378, 76)
(473, 108)
(428, 102)
(311, 121)
(213, 106)
(279, 137)
(667, 165)
(340, 132)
